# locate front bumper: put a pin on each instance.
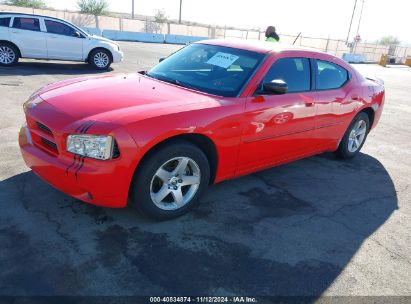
(102, 183)
(118, 56)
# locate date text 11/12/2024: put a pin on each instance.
(235, 299)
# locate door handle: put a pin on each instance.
(14, 32)
(355, 97)
(310, 104)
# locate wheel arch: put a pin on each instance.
(370, 113)
(13, 44)
(99, 48)
(203, 142)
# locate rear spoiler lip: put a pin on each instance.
(375, 79)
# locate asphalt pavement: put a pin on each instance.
(318, 226)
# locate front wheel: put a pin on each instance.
(170, 181)
(100, 59)
(355, 136)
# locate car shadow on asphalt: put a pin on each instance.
(286, 231)
(30, 68)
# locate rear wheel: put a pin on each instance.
(100, 59)
(170, 181)
(355, 136)
(9, 55)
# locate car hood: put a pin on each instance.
(99, 38)
(109, 98)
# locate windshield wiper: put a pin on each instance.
(172, 81)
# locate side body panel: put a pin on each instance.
(336, 108)
(32, 44)
(63, 47)
(277, 128)
(5, 31)
(220, 121)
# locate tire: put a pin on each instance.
(100, 59)
(9, 54)
(358, 129)
(170, 192)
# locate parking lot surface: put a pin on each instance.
(319, 226)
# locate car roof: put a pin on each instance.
(257, 46)
(5, 13)
(33, 15)
(24, 14)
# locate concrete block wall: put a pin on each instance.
(147, 37)
(133, 36)
(180, 39)
(93, 31)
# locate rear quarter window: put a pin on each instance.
(330, 75)
(5, 22)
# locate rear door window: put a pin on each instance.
(29, 24)
(58, 28)
(5, 22)
(330, 75)
(295, 72)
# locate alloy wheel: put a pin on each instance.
(7, 55)
(357, 136)
(101, 59)
(175, 183)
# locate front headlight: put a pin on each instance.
(94, 146)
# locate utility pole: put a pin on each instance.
(179, 17)
(352, 17)
(132, 9)
(359, 21)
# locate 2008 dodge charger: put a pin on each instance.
(212, 111)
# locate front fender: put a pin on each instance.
(95, 44)
(222, 129)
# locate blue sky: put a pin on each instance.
(315, 18)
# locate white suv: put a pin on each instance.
(41, 37)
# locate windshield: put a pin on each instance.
(79, 29)
(211, 69)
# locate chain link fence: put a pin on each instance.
(371, 51)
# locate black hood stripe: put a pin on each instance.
(85, 126)
(89, 126)
(79, 127)
(78, 161)
(72, 164)
(79, 168)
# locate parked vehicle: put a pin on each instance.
(42, 37)
(212, 111)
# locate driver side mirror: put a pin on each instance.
(77, 34)
(275, 87)
(161, 59)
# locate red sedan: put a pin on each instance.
(212, 111)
